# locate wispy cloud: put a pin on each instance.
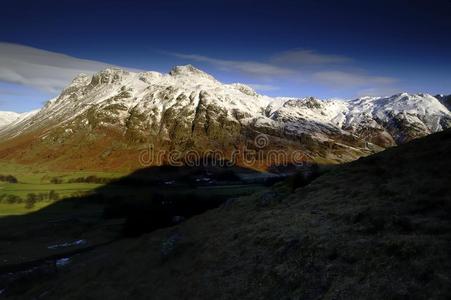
(263, 87)
(337, 78)
(45, 70)
(10, 92)
(333, 72)
(252, 68)
(378, 91)
(308, 57)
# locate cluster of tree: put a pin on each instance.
(56, 180)
(90, 179)
(87, 179)
(10, 199)
(8, 178)
(31, 199)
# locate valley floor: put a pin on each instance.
(38, 182)
(377, 228)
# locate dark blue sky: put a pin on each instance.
(289, 48)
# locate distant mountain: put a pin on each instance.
(7, 117)
(105, 120)
(445, 100)
(11, 119)
(402, 117)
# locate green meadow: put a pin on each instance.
(38, 181)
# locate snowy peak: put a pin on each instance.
(403, 103)
(416, 103)
(189, 70)
(109, 76)
(80, 79)
(7, 117)
(397, 103)
(402, 116)
(11, 119)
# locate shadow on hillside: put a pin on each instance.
(153, 197)
(147, 199)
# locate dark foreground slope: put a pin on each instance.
(377, 228)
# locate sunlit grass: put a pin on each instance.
(36, 180)
(19, 209)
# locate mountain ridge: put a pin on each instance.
(188, 109)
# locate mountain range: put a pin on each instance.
(105, 121)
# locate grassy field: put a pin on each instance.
(38, 181)
(34, 175)
(19, 209)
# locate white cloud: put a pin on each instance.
(252, 68)
(45, 70)
(10, 92)
(308, 57)
(263, 87)
(378, 91)
(350, 79)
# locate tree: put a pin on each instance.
(11, 199)
(53, 196)
(56, 180)
(31, 200)
(11, 179)
(8, 178)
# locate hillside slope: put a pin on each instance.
(376, 228)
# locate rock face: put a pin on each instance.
(111, 116)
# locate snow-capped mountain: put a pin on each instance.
(12, 119)
(396, 119)
(112, 115)
(7, 117)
